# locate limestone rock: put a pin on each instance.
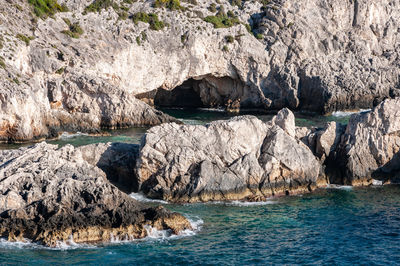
(328, 138)
(311, 55)
(370, 147)
(50, 194)
(285, 119)
(241, 158)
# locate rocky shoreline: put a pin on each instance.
(50, 194)
(246, 159)
(89, 65)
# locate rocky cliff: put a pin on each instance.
(81, 65)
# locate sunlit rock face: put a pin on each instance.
(238, 159)
(370, 146)
(309, 55)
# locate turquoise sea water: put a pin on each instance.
(188, 116)
(336, 226)
(330, 227)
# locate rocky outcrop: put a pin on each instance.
(242, 158)
(311, 55)
(370, 146)
(50, 194)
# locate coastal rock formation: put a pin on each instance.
(370, 146)
(51, 195)
(80, 70)
(241, 158)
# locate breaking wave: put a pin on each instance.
(333, 186)
(142, 198)
(349, 113)
(152, 234)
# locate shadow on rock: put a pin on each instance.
(118, 162)
(390, 171)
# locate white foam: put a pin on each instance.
(27, 244)
(67, 135)
(256, 203)
(155, 234)
(238, 203)
(213, 109)
(348, 113)
(377, 182)
(192, 122)
(333, 186)
(152, 234)
(142, 198)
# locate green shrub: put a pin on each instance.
(170, 4)
(151, 19)
(248, 27)
(2, 64)
(46, 8)
(24, 38)
(225, 48)
(222, 21)
(259, 36)
(60, 71)
(212, 8)
(184, 37)
(144, 36)
(237, 3)
(99, 5)
(75, 30)
(229, 39)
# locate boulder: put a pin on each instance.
(327, 139)
(241, 158)
(51, 195)
(369, 148)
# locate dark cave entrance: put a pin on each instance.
(184, 96)
(205, 92)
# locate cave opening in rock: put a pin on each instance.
(204, 92)
(186, 95)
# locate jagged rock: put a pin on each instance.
(370, 147)
(241, 158)
(312, 55)
(327, 139)
(50, 194)
(286, 120)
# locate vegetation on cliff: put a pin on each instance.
(46, 8)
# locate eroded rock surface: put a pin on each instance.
(50, 194)
(370, 147)
(241, 158)
(312, 55)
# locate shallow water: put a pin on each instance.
(188, 116)
(337, 226)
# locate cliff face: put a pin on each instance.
(81, 70)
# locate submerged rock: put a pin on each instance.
(370, 146)
(50, 194)
(241, 158)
